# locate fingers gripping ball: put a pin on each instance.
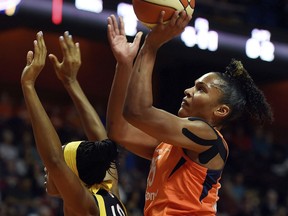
(148, 11)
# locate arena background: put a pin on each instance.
(256, 171)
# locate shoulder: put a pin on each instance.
(198, 127)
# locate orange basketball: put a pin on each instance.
(148, 11)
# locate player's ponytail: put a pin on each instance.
(242, 95)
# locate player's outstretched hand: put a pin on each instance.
(123, 50)
(163, 32)
(35, 61)
(67, 70)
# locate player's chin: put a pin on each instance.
(182, 112)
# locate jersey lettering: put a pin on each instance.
(109, 204)
(151, 196)
(119, 212)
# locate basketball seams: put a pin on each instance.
(148, 11)
(176, 5)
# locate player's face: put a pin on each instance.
(201, 100)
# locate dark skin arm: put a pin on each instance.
(118, 128)
(67, 72)
(139, 110)
(76, 197)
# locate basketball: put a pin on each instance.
(148, 11)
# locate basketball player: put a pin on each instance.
(187, 152)
(77, 173)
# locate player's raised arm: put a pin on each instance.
(117, 127)
(139, 109)
(67, 72)
(75, 196)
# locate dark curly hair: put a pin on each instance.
(93, 159)
(242, 95)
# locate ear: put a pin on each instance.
(222, 111)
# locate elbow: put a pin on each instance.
(114, 135)
(119, 136)
(114, 130)
(117, 132)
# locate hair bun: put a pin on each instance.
(251, 99)
(236, 70)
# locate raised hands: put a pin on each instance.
(121, 48)
(163, 32)
(35, 61)
(67, 70)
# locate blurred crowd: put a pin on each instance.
(263, 13)
(254, 182)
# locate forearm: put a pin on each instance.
(90, 120)
(115, 120)
(139, 95)
(46, 138)
(118, 128)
